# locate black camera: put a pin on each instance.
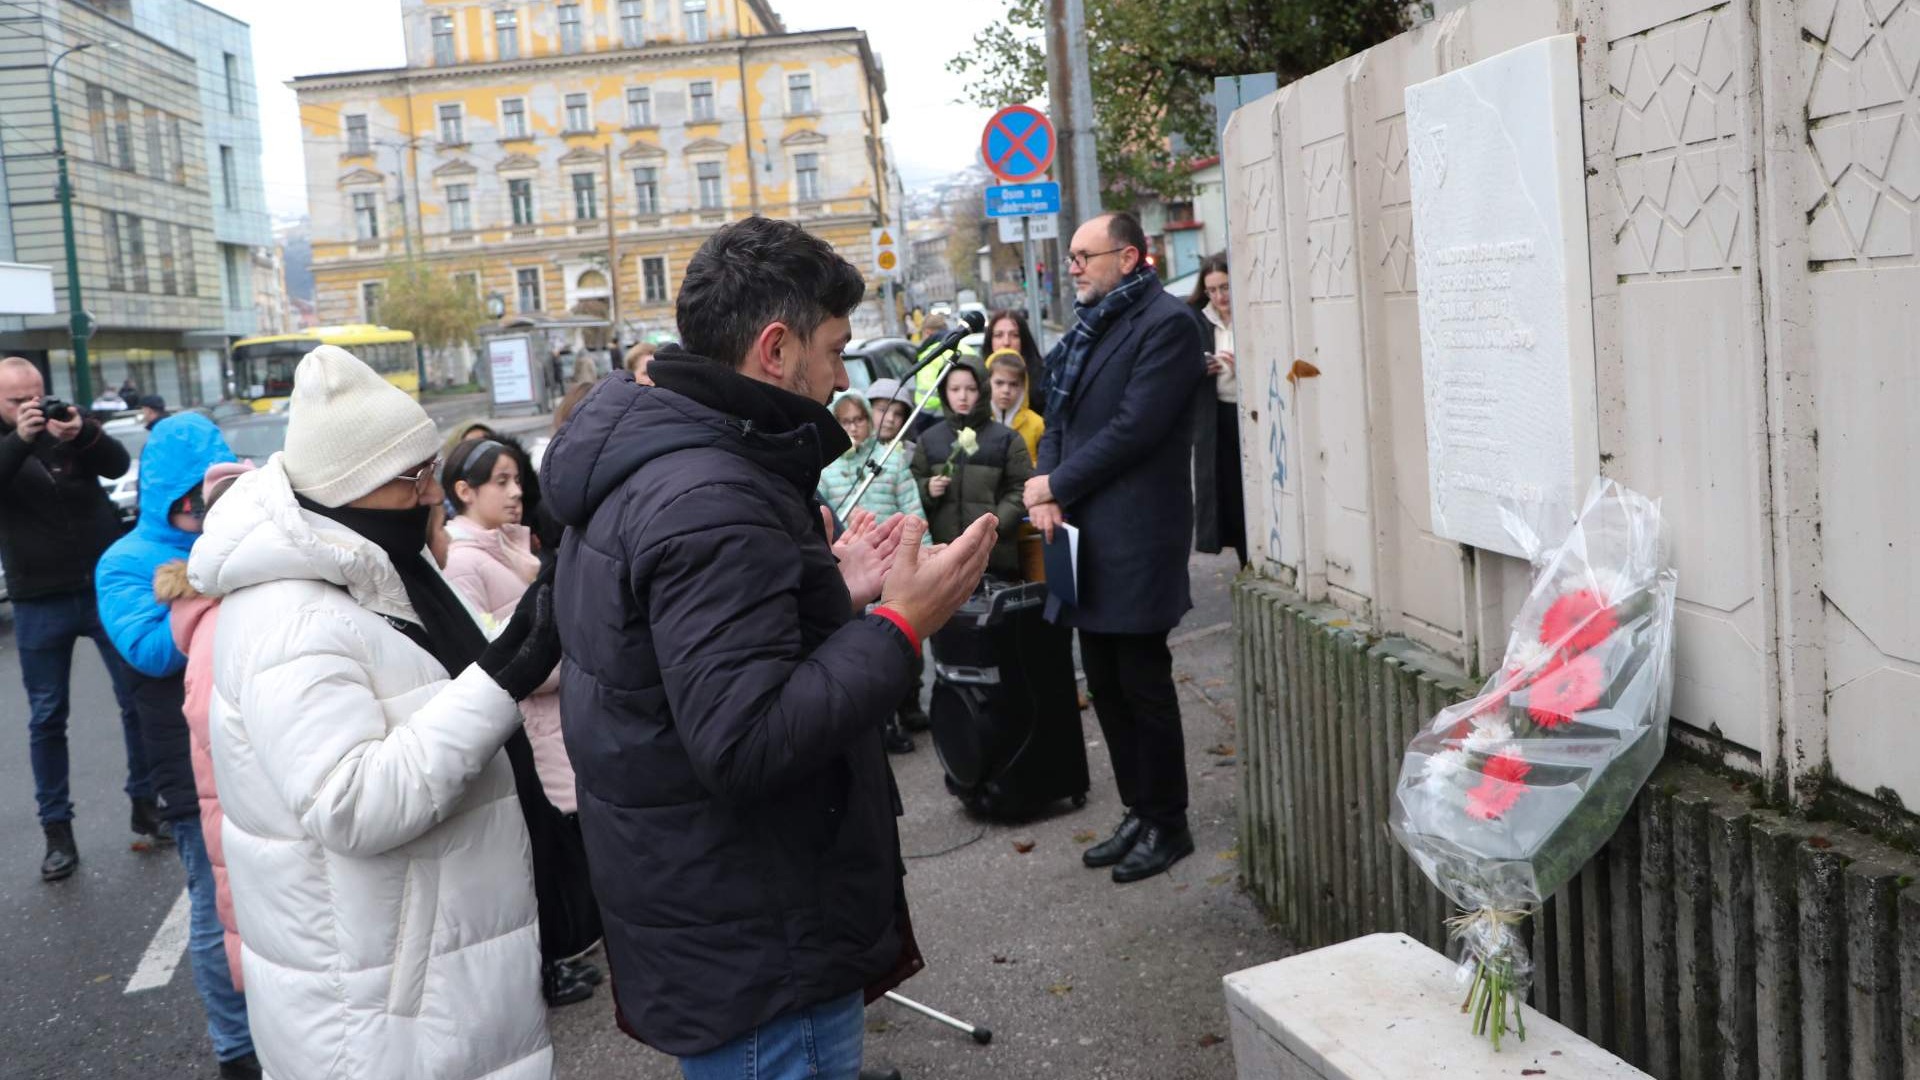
(54, 409)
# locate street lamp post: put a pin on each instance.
(81, 323)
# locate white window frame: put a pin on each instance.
(512, 29)
(699, 185)
(539, 289)
(693, 20)
(644, 98)
(465, 203)
(572, 32)
(533, 203)
(459, 122)
(380, 289)
(364, 144)
(586, 110)
(795, 108)
(646, 199)
(666, 280)
(507, 130)
(436, 23)
(633, 15)
(800, 195)
(592, 190)
(694, 114)
(372, 195)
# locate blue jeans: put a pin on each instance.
(820, 1042)
(45, 630)
(206, 947)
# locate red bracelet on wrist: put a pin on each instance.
(900, 621)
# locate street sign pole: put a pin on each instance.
(1033, 280)
(893, 317)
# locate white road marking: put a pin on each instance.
(163, 954)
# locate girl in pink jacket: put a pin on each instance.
(490, 562)
(192, 618)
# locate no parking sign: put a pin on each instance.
(1017, 144)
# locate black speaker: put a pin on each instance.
(1006, 720)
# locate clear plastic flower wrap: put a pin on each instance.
(1503, 798)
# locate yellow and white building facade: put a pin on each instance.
(527, 146)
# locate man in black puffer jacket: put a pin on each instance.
(722, 697)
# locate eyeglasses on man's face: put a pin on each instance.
(1077, 261)
(420, 477)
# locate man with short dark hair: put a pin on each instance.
(55, 521)
(723, 696)
(1113, 461)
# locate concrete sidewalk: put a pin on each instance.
(1076, 977)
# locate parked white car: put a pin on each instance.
(125, 491)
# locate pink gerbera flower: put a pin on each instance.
(1500, 786)
(1570, 688)
(1578, 621)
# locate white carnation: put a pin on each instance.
(1527, 656)
(1489, 738)
(1437, 773)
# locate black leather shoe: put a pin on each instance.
(895, 740)
(148, 830)
(1158, 849)
(583, 970)
(1115, 847)
(63, 858)
(244, 1067)
(561, 987)
(915, 718)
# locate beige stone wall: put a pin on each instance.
(1753, 168)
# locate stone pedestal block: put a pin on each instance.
(1385, 1007)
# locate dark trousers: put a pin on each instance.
(45, 630)
(1229, 502)
(1130, 677)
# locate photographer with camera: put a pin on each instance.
(55, 520)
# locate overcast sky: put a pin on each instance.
(932, 136)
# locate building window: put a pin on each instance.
(513, 118)
(453, 128)
(229, 183)
(520, 195)
(468, 282)
(176, 142)
(169, 282)
(586, 199)
(189, 277)
(653, 278)
(357, 135)
(579, 114)
(459, 209)
(366, 215)
(639, 106)
(694, 19)
(506, 34)
(633, 23)
(800, 93)
(570, 28)
(526, 285)
(97, 124)
(370, 301)
(711, 197)
(231, 67)
(232, 264)
(116, 256)
(702, 95)
(646, 190)
(443, 40)
(136, 236)
(122, 132)
(806, 177)
(157, 145)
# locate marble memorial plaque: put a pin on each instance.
(1506, 320)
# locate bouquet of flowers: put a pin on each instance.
(965, 444)
(1501, 799)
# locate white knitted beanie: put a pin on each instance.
(349, 431)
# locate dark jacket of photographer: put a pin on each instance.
(722, 704)
(55, 518)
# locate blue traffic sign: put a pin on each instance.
(1017, 144)
(1020, 200)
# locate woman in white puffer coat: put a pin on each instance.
(378, 859)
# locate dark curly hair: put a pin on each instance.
(756, 272)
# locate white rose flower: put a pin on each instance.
(968, 441)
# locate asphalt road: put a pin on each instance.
(1077, 977)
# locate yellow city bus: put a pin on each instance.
(263, 366)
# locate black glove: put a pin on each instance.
(525, 653)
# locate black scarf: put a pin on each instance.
(569, 917)
(445, 629)
(763, 407)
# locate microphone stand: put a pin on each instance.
(947, 350)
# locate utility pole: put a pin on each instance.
(613, 266)
(80, 323)
(1086, 159)
(1070, 103)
